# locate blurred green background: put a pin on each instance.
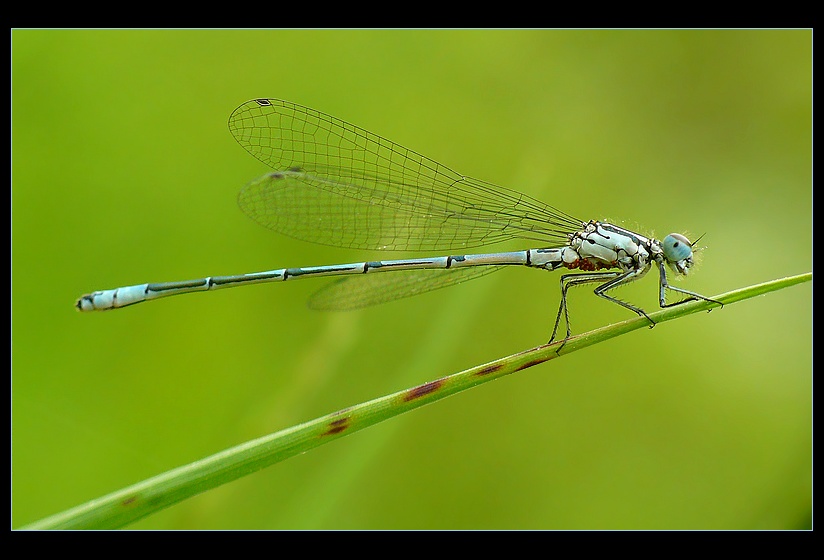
(124, 172)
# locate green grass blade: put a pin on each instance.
(144, 498)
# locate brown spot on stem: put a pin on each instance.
(492, 368)
(129, 501)
(530, 364)
(337, 425)
(421, 390)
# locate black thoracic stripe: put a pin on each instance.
(621, 231)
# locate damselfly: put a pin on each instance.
(338, 184)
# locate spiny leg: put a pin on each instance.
(625, 278)
(664, 285)
(567, 281)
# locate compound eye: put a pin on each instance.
(676, 247)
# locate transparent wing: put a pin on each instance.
(354, 292)
(338, 184)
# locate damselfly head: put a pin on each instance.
(678, 252)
